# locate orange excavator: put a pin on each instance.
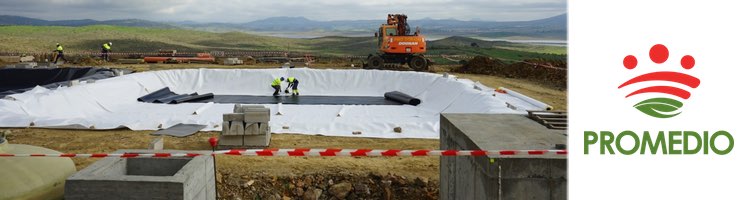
(398, 45)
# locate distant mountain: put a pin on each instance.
(553, 28)
(16, 20)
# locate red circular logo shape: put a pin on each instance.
(630, 62)
(687, 62)
(659, 53)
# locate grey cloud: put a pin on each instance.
(249, 10)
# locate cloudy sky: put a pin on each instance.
(249, 10)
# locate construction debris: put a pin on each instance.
(232, 61)
(27, 59)
(548, 72)
(397, 129)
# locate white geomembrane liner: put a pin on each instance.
(111, 103)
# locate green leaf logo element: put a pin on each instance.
(659, 107)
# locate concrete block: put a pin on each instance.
(73, 83)
(256, 117)
(236, 128)
(27, 59)
(264, 129)
(257, 140)
(252, 128)
(245, 140)
(157, 144)
(144, 178)
(232, 61)
(230, 140)
(225, 128)
(233, 117)
(240, 108)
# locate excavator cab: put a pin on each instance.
(397, 45)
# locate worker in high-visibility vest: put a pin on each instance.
(106, 49)
(293, 83)
(276, 85)
(60, 55)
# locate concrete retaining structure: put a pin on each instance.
(144, 178)
(494, 177)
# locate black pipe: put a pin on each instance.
(402, 98)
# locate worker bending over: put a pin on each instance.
(292, 82)
(276, 85)
(60, 55)
(106, 49)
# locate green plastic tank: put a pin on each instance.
(32, 177)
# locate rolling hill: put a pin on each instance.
(548, 28)
(6, 20)
(138, 39)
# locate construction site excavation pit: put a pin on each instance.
(339, 102)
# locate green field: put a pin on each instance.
(135, 39)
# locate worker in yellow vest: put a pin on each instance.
(60, 55)
(106, 49)
(293, 83)
(276, 85)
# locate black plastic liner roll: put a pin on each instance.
(168, 99)
(156, 95)
(192, 98)
(402, 98)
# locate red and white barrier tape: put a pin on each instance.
(314, 153)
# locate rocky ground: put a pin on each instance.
(326, 186)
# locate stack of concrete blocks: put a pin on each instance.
(144, 178)
(232, 61)
(247, 126)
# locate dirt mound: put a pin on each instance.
(549, 72)
(326, 186)
(88, 61)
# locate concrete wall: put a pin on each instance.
(144, 178)
(483, 177)
(154, 167)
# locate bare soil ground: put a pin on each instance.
(291, 177)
